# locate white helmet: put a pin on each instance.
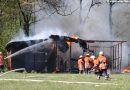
(80, 56)
(87, 54)
(93, 57)
(0, 52)
(101, 53)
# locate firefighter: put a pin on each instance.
(1, 62)
(88, 63)
(81, 64)
(103, 65)
(95, 66)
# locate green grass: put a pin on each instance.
(122, 80)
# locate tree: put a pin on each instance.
(8, 22)
(25, 7)
(27, 11)
(93, 3)
(58, 6)
(111, 4)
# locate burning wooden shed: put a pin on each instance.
(30, 58)
(39, 55)
(42, 55)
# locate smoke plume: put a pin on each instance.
(94, 25)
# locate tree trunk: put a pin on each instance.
(26, 28)
(110, 20)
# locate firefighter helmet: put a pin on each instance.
(80, 56)
(87, 54)
(101, 53)
(93, 57)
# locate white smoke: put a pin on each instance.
(95, 26)
(41, 34)
(125, 53)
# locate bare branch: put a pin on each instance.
(21, 10)
(93, 3)
(112, 3)
(59, 6)
(42, 18)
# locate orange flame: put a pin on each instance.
(126, 70)
(73, 36)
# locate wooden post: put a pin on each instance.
(9, 61)
(115, 59)
(118, 57)
(70, 58)
(111, 58)
(55, 46)
(121, 57)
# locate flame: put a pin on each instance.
(69, 43)
(126, 70)
(73, 36)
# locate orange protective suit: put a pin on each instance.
(96, 63)
(103, 62)
(88, 62)
(80, 64)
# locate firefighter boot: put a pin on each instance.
(106, 77)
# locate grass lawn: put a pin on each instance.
(22, 81)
